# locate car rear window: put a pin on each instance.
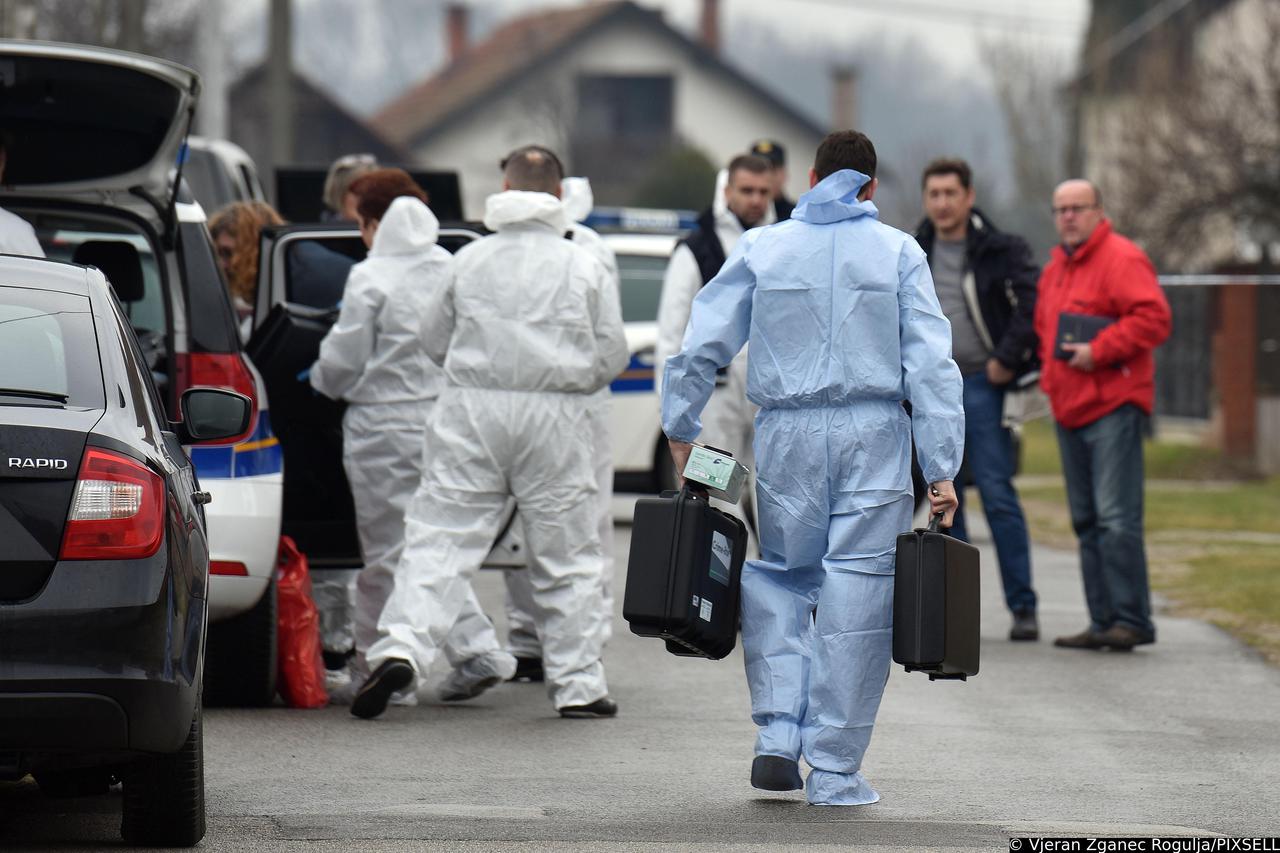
(641, 286)
(47, 346)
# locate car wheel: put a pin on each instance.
(164, 796)
(664, 469)
(79, 782)
(240, 660)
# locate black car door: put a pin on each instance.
(302, 270)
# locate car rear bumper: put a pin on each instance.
(95, 714)
(107, 657)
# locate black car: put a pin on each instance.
(104, 569)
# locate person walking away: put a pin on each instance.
(1102, 394)
(986, 283)
(522, 632)
(745, 203)
(777, 156)
(374, 359)
(530, 329)
(843, 325)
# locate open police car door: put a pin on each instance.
(301, 275)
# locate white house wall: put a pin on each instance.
(711, 112)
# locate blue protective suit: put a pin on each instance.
(843, 325)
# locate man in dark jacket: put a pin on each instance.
(986, 282)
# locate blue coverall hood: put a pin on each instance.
(835, 198)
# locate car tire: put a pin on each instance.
(163, 803)
(79, 782)
(240, 659)
(664, 469)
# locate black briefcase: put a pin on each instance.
(684, 574)
(936, 604)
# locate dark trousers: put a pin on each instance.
(1102, 463)
(988, 450)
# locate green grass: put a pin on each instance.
(1164, 460)
(1240, 580)
(1221, 507)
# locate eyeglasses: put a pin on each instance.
(1074, 209)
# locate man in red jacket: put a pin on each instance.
(1101, 291)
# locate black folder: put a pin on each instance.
(1077, 329)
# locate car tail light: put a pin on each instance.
(228, 567)
(220, 370)
(117, 511)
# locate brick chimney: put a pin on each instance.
(709, 26)
(844, 97)
(458, 17)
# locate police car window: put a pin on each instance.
(48, 349)
(641, 286)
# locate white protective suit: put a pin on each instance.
(374, 358)
(844, 325)
(17, 237)
(530, 328)
(728, 419)
(522, 633)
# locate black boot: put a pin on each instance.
(393, 675)
(775, 773)
(1025, 626)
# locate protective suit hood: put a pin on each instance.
(517, 207)
(577, 198)
(408, 226)
(835, 198)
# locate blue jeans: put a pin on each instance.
(988, 449)
(1102, 463)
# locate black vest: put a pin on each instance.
(707, 251)
(706, 248)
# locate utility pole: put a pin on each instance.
(211, 120)
(279, 83)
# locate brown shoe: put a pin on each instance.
(1086, 639)
(1119, 638)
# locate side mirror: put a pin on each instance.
(211, 414)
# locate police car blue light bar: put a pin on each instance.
(641, 219)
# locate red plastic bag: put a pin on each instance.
(300, 662)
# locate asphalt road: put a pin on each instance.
(1178, 738)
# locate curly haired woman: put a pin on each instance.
(236, 229)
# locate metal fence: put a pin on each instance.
(1184, 372)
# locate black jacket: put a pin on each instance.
(1004, 283)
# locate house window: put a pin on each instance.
(623, 127)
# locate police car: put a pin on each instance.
(643, 241)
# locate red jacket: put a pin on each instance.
(1106, 276)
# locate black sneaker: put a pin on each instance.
(600, 708)
(775, 773)
(1025, 626)
(528, 670)
(394, 675)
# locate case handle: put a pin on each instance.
(935, 522)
